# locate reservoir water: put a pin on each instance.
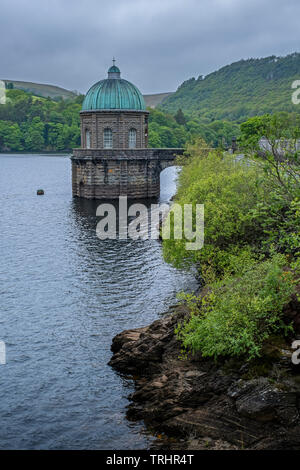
(64, 295)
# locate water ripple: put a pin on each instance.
(64, 295)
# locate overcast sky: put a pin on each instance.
(157, 43)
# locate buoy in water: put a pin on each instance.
(40, 192)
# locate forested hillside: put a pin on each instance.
(240, 90)
(41, 89)
(34, 124)
(30, 123)
(56, 92)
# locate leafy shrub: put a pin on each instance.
(246, 208)
(240, 312)
(278, 215)
(251, 236)
(228, 189)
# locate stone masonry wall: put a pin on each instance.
(120, 123)
(99, 173)
(135, 173)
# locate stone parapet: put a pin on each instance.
(126, 154)
(110, 173)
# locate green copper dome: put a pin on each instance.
(114, 69)
(113, 93)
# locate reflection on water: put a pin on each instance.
(64, 295)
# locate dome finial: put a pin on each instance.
(114, 71)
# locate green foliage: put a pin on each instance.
(10, 136)
(61, 130)
(279, 213)
(154, 140)
(253, 203)
(238, 91)
(34, 139)
(166, 130)
(32, 123)
(216, 133)
(180, 117)
(250, 258)
(240, 312)
(228, 190)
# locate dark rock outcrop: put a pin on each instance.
(231, 404)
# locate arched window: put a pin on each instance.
(108, 138)
(132, 138)
(87, 139)
(81, 189)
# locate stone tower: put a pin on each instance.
(113, 159)
(114, 115)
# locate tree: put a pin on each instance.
(180, 117)
(10, 136)
(34, 139)
(154, 139)
(273, 140)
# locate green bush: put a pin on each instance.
(246, 208)
(240, 312)
(251, 242)
(278, 214)
(228, 189)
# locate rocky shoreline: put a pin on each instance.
(198, 403)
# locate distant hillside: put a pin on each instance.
(55, 92)
(40, 89)
(154, 100)
(237, 91)
(35, 124)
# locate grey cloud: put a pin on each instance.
(157, 43)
